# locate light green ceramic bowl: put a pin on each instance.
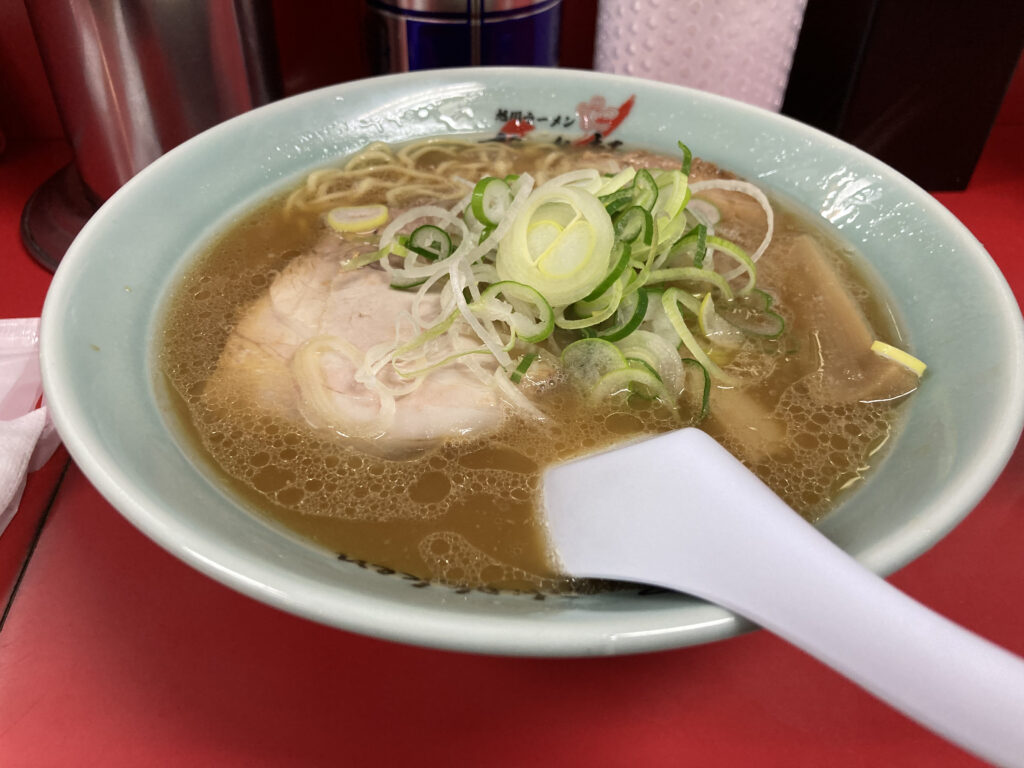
(104, 307)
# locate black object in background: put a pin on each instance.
(917, 83)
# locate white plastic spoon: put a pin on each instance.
(679, 511)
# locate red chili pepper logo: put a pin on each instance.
(516, 127)
(597, 118)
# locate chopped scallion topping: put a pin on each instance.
(569, 267)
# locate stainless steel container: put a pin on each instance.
(134, 78)
(424, 34)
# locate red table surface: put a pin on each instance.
(114, 653)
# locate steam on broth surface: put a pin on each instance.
(374, 413)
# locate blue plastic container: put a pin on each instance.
(426, 34)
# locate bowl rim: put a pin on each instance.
(424, 625)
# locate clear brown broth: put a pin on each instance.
(465, 513)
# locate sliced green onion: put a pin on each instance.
(435, 365)
(430, 242)
(670, 303)
(701, 251)
(744, 187)
(687, 158)
(643, 263)
(629, 379)
(591, 313)
(658, 353)
(753, 315)
(360, 261)
(564, 265)
(491, 198)
(430, 333)
(636, 362)
(586, 361)
(697, 240)
(705, 400)
(524, 365)
(746, 263)
(584, 253)
(759, 299)
(630, 314)
(634, 222)
(620, 258)
(617, 181)
(524, 309)
(641, 390)
(567, 252)
(670, 207)
(673, 193)
(714, 328)
(471, 221)
(694, 274)
(645, 190)
(357, 218)
(617, 201)
(690, 302)
(561, 214)
(407, 286)
(769, 325)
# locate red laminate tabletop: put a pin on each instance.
(113, 653)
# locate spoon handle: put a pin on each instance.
(936, 672)
(709, 527)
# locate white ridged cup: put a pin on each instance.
(737, 48)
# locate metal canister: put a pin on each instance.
(426, 34)
(132, 79)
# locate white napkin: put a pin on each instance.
(27, 436)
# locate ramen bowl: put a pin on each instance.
(103, 314)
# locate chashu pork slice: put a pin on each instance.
(296, 350)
